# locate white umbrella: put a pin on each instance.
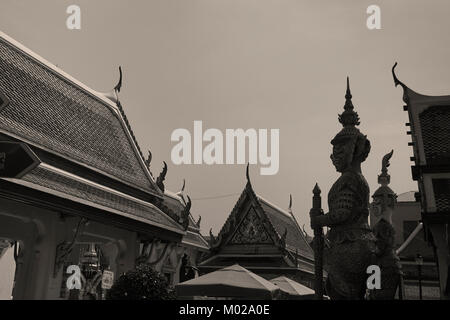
(233, 281)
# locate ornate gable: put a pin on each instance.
(251, 230)
(247, 215)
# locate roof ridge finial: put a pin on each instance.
(113, 94)
(247, 172)
(290, 204)
(348, 118)
(119, 84)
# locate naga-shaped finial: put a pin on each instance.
(119, 84)
(148, 161)
(198, 221)
(184, 185)
(398, 82)
(113, 95)
(162, 177)
(290, 204)
(184, 219)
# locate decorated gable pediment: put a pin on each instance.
(251, 230)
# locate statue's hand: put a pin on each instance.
(315, 215)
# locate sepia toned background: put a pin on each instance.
(250, 64)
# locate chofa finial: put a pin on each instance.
(290, 203)
(184, 219)
(148, 161)
(113, 95)
(247, 172)
(162, 177)
(119, 84)
(184, 185)
(398, 82)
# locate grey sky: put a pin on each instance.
(250, 64)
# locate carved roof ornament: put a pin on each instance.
(398, 82)
(198, 221)
(290, 204)
(148, 161)
(247, 173)
(162, 177)
(184, 219)
(113, 95)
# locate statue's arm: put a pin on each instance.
(341, 212)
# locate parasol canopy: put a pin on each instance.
(233, 281)
(293, 288)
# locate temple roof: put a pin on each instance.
(92, 156)
(280, 226)
(69, 186)
(193, 237)
(53, 111)
(282, 220)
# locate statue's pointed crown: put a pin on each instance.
(348, 118)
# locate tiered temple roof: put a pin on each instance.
(87, 149)
(260, 236)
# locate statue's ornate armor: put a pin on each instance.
(352, 244)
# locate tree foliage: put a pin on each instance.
(142, 283)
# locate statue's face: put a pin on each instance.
(342, 156)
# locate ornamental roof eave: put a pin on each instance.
(51, 180)
(411, 97)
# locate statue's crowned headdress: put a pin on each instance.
(349, 120)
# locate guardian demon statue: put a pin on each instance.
(353, 245)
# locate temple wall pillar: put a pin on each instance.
(31, 227)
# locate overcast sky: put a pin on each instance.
(250, 64)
